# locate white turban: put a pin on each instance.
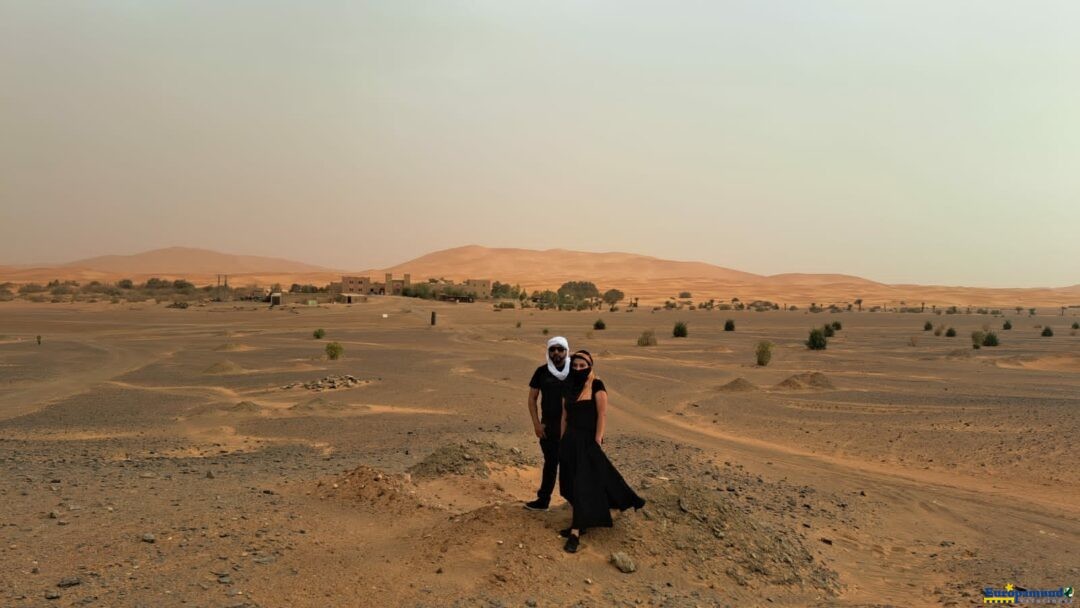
(559, 341)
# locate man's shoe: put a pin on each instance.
(571, 545)
(537, 505)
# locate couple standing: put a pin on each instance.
(570, 426)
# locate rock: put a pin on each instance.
(69, 581)
(52, 594)
(149, 538)
(623, 562)
(209, 474)
(54, 515)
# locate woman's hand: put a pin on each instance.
(599, 440)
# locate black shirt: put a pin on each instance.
(551, 394)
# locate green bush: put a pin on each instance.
(729, 325)
(1006, 325)
(977, 338)
(763, 352)
(817, 340)
(828, 331)
(990, 339)
(680, 330)
(1047, 332)
(950, 333)
(599, 324)
(837, 326)
(927, 326)
(545, 331)
(1076, 325)
(334, 351)
(318, 333)
(647, 338)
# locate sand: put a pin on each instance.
(890, 467)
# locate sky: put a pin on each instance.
(905, 142)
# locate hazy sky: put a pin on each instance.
(934, 142)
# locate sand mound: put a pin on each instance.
(1051, 363)
(806, 380)
(232, 347)
(372, 489)
(472, 458)
(738, 385)
(246, 407)
(222, 368)
(319, 404)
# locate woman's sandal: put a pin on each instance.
(571, 545)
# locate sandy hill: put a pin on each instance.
(189, 260)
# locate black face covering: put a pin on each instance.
(578, 378)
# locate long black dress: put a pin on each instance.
(587, 479)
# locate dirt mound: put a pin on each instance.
(738, 385)
(1056, 363)
(371, 489)
(472, 458)
(806, 380)
(222, 368)
(246, 407)
(319, 404)
(232, 347)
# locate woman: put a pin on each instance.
(587, 479)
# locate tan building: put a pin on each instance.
(365, 286)
(477, 288)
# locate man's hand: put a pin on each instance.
(538, 428)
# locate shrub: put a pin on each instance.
(599, 324)
(927, 326)
(680, 330)
(729, 325)
(647, 338)
(545, 331)
(505, 305)
(977, 338)
(950, 333)
(334, 351)
(1006, 325)
(817, 340)
(1076, 325)
(763, 352)
(125, 284)
(990, 339)
(518, 325)
(1047, 332)
(828, 331)
(684, 294)
(318, 333)
(180, 305)
(837, 326)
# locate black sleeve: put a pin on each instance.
(535, 382)
(598, 385)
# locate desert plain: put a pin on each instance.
(214, 456)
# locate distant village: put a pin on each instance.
(352, 290)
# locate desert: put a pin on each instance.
(214, 456)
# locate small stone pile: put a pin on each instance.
(327, 383)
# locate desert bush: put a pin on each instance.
(1076, 325)
(990, 339)
(927, 326)
(837, 326)
(125, 284)
(647, 338)
(977, 338)
(828, 330)
(518, 325)
(729, 325)
(1006, 325)
(950, 333)
(334, 351)
(599, 324)
(506, 305)
(817, 339)
(684, 295)
(763, 352)
(680, 330)
(545, 331)
(178, 304)
(318, 334)
(1047, 332)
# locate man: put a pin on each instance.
(547, 383)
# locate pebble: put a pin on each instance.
(149, 538)
(69, 581)
(52, 594)
(623, 562)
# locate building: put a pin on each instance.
(365, 286)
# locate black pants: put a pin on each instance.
(550, 448)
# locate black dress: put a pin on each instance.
(587, 479)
